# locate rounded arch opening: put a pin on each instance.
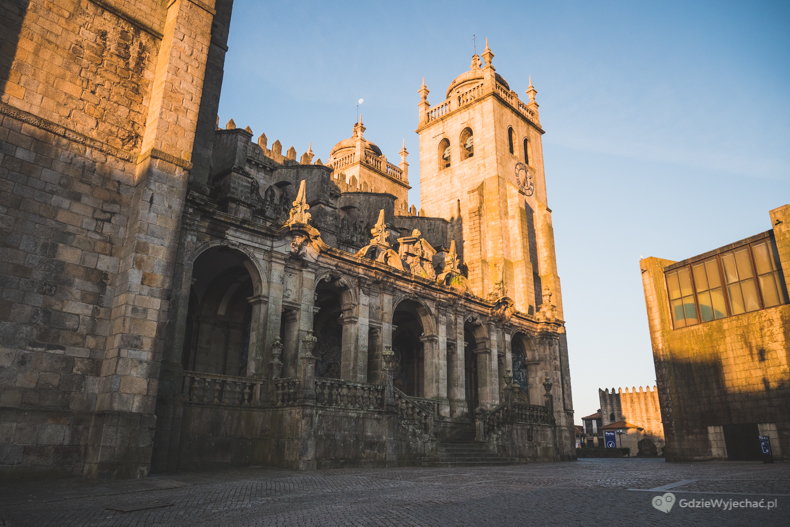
(217, 333)
(444, 156)
(466, 142)
(332, 300)
(410, 323)
(510, 139)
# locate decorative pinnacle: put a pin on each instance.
(403, 152)
(531, 92)
(488, 56)
(424, 91)
(379, 231)
(475, 65)
(298, 213)
(359, 128)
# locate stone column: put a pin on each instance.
(290, 344)
(388, 359)
(273, 287)
(363, 324)
(484, 378)
(255, 356)
(375, 367)
(430, 383)
(508, 359)
(458, 405)
(307, 369)
(442, 361)
(348, 346)
(493, 384)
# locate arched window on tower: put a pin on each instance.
(444, 154)
(467, 144)
(510, 139)
(526, 151)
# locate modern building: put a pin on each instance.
(176, 295)
(720, 328)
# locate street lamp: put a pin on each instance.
(620, 436)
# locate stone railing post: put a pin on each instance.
(307, 374)
(388, 359)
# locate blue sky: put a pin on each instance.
(667, 125)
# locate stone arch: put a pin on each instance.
(474, 345)
(466, 144)
(444, 154)
(525, 357)
(413, 330)
(251, 263)
(510, 139)
(219, 317)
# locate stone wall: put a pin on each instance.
(99, 108)
(733, 370)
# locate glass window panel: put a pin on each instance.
(700, 280)
(712, 270)
(717, 302)
(762, 258)
(705, 307)
(684, 276)
(770, 291)
(677, 313)
(690, 310)
(744, 265)
(750, 299)
(730, 272)
(673, 285)
(736, 300)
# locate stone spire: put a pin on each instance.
(475, 65)
(404, 165)
(359, 128)
(488, 56)
(423, 104)
(298, 214)
(531, 92)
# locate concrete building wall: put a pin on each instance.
(724, 372)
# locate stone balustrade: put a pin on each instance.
(337, 393)
(467, 97)
(207, 388)
(415, 414)
(285, 392)
(492, 421)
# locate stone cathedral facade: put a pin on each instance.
(175, 295)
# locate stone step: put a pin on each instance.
(465, 453)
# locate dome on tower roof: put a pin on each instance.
(351, 142)
(472, 77)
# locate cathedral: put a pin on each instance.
(178, 295)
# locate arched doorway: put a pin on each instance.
(332, 300)
(408, 348)
(473, 339)
(219, 316)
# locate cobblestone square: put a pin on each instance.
(587, 491)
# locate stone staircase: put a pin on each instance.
(456, 447)
(465, 453)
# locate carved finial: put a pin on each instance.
(307, 157)
(231, 125)
(319, 162)
(488, 56)
(451, 261)
(403, 152)
(531, 92)
(248, 129)
(424, 91)
(359, 128)
(298, 213)
(379, 231)
(475, 65)
(263, 141)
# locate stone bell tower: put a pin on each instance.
(481, 163)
